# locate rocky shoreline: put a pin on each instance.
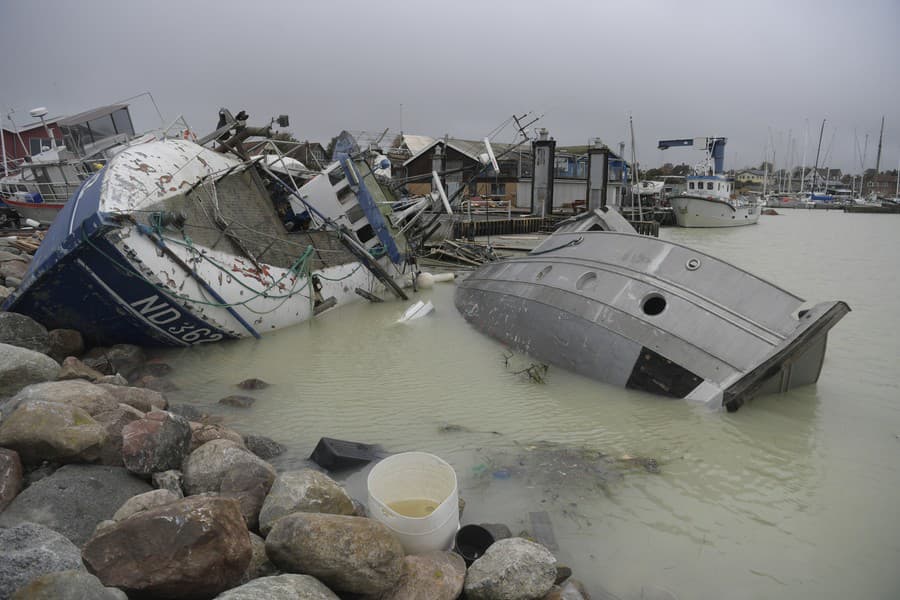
(108, 491)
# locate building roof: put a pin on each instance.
(417, 143)
(90, 115)
(469, 148)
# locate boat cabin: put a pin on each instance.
(709, 186)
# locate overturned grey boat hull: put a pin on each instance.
(651, 315)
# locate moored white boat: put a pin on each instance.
(707, 203)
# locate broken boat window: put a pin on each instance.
(336, 175)
(345, 194)
(365, 233)
(355, 213)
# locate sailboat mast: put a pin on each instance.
(818, 149)
(880, 138)
(803, 164)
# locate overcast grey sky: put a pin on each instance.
(750, 71)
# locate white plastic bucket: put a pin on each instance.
(414, 483)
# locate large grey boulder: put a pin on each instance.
(305, 490)
(30, 550)
(140, 398)
(23, 331)
(193, 548)
(68, 585)
(10, 476)
(430, 576)
(207, 466)
(158, 442)
(83, 394)
(20, 367)
(41, 431)
(227, 468)
(74, 499)
(511, 569)
(281, 587)
(348, 554)
(64, 342)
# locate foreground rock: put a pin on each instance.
(114, 421)
(30, 550)
(72, 368)
(169, 480)
(140, 398)
(281, 587)
(207, 432)
(431, 576)
(126, 359)
(68, 585)
(24, 332)
(83, 394)
(263, 447)
(225, 467)
(74, 499)
(348, 554)
(511, 569)
(158, 442)
(303, 491)
(10, 477)
(41, 431)
(20, 367)
(197, 547)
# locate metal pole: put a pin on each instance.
(3, 149)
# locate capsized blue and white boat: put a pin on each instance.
(174, 243)
(642, 313)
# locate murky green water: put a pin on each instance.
(794, 496)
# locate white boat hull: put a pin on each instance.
(694, 211)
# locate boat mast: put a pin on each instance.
(3, 150)
(635, 176)
(816, 168)
(803, 166)
(878, 159)
(862, 167)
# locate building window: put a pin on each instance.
(498, 189)
(38, 145)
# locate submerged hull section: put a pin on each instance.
(694, 211)
(646, 314)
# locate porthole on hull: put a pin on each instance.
(653, 304)
(543, 272)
